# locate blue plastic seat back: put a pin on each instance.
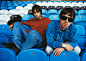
(59, 11)
(54, 17)
(4, 29)
(7, 55)
(52, 12)
(5, 33)
(81, 36)
(44, 15)
(82, 12)
(32, 55)
(83, 58)
(65, 56)
(44, 11)
(27, 17)
(79, 18)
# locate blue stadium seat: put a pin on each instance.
(52, 12)
(81, 36)
(33, 2)
(76, 1)
(27, 2)
(7, 55)
(59, 1)
(65, 1)
(9, 4)
(39, 1)
(23, 4)
(80, 19)
(44, 15)
(44, 12)
(54, 1)
(32, 55)
(81, 1)
(83, 57)
(16, 4)
(44, 1)
(3, 7)
(76, 12)
(11, 7)
(82, 12)
(27, 17)
(19, 2)
(70, 1)
(59, 11)
(54, 17)
(5, 33)
(65, 56)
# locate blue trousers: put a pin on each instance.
(24, 40)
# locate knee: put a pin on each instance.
(17, 24)
(33, 32)
(48, 50)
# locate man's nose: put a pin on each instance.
(66, 20)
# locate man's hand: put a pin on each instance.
(11, 27)
(58, 51)
(68, 47)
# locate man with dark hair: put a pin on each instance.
(62, 34)
(26, 39)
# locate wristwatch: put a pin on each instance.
(63, 45)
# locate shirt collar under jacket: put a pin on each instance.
(58, 29)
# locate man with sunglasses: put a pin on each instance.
(61, 35)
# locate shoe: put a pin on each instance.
(11, 46)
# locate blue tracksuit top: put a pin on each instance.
(55, 37)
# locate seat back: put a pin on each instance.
(5, 32)
(52, 12)
(81, 36)
(83, 57)
(65, 56)
(32, 55)
(7, 55)
(44, 11)
(54, 17)
(27, 17)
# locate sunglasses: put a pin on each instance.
(64, 18)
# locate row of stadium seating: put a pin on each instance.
(56, 4)
(38, 55)
(20, 11)
(47, 6)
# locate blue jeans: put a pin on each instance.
(24, 40)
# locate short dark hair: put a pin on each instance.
(37, 7)
(68, 10)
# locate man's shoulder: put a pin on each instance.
(32, 19)
(53, 23)
(73, 26)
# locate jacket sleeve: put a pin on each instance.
(50, 33)
(73, 38)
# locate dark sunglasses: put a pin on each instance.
(64, 18)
